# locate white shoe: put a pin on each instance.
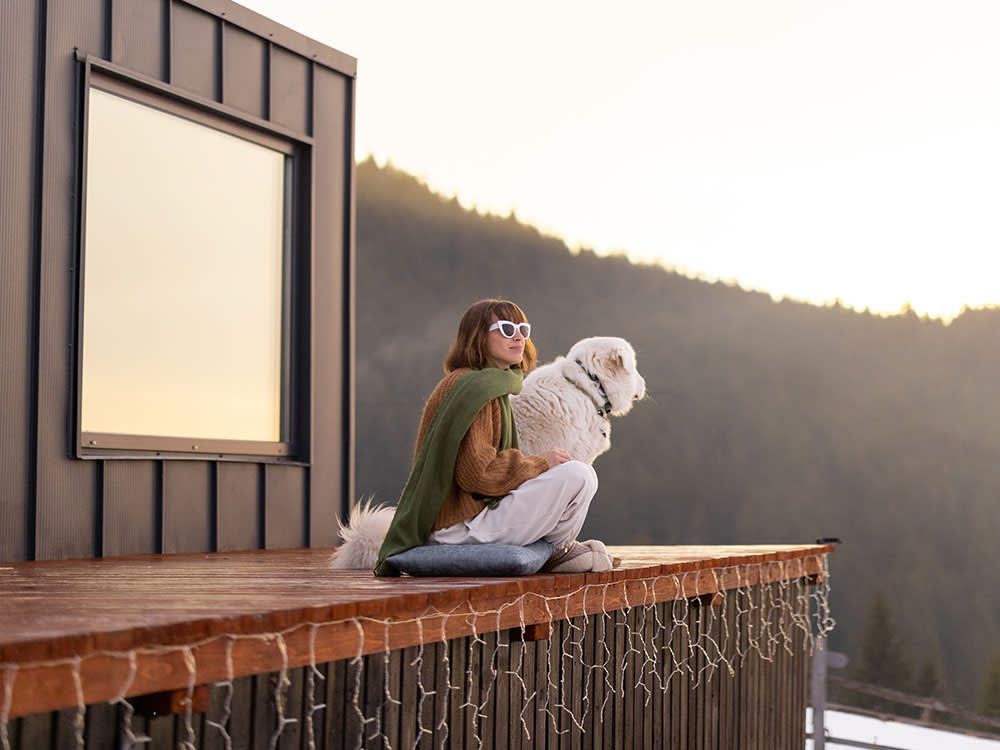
(580, 557)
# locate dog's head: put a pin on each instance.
(612, 360)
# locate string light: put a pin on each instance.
(281, 686)
(609, 688)
(311, 674)
(516, 673)
(189, 742)
(9, 676)
(418, 664)
(130, 738)
(227, 701)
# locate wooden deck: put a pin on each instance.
(79, 632)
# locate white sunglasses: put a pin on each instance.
(508, 329)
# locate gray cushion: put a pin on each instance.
(473, 560)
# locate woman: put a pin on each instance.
(470, 484)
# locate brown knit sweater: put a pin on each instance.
(480, 468)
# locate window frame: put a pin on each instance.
(296, 309)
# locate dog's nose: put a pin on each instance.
(641, 392)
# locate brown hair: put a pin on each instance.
(470, 347)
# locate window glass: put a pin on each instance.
(184, 249)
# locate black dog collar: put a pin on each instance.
(606, 411)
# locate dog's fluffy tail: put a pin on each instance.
(362, 535)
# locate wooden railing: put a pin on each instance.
(928, 706)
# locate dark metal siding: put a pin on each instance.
(195, 61)
(19, 119)
(332, 205)
(285, 507)
(244, 71)
(67, 499)
(239, 510)
(130, 504)
(291, 91)
(56, 506)
(139, 38)
(188, 506)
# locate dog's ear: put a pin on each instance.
(616, 359)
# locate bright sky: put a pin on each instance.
(810, 149)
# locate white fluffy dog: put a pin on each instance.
(564, 404)
(568, 403)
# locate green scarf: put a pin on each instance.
(434, 467)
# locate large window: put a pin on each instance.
(187, 335)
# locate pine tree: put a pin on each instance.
(929, 680)
(930, 683)
(883, 659)
(989, 697)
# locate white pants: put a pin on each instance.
(552, 506)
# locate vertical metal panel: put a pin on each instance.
(240, 497)
(347, 302)
(215, 717)
(291, 736)
(374, 690)
(139, 36)
(409, 698)
(290, 90)
(285, 506)
(442, 694)
(188, 506)
(187, 735)
(19, 125)
(516, 696)
(244, 71)
(290, 104)
(161, 732)
(337, 688)
(102, 723)
(241, 713)
(456, 716)
(661, 654)
(33, 732)
(194, 51)
(594, 684)
(333, 264)
(67, 503)
(130, 526)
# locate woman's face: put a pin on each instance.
(504, 352)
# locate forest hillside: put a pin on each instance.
(766, 421)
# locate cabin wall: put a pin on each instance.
(56, 506)
(535, 694)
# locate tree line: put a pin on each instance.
(885, 659)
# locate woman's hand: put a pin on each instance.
(556, 456)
